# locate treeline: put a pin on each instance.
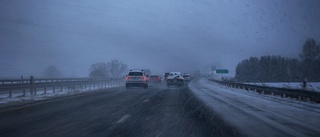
(282, 69)
(112, 69)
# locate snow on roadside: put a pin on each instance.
(312, 86)
(246, 109)
(41, 95)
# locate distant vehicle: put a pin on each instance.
(136, 78)
(175, 78)
(154, 79)
(165, 75)
(187, 77)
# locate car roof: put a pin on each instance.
(136, 70)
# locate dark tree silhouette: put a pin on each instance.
(310, 50)
(116, 68)
(281, 69)
(52, 72)
(99, 70)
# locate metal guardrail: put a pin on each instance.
(31, 86)
(299, 94)
(19, 81)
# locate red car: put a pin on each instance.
(154, 78)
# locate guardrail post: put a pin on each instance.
(61, 88)
(45, 90)
(53, 89)
(31, 85)
(284, 95)
(272, 94)
(24, 92)
(10, 93)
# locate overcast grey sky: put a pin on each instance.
(162, 35)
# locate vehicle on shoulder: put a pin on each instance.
(187, 77)
(154, 79)
(136, 78)
(175, 79)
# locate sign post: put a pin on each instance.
(222, 71)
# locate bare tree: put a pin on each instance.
(310, 50)
(52, 72)
(99, 70)
(116, 68)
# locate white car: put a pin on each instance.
(136, 78)
(175, 78)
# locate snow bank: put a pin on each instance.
(312, 86)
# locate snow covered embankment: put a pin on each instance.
(259, 115)
(312, 86)
(42, 95)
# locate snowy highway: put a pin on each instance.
(259, 115)
(157, 111)
(203, 108)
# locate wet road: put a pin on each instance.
(157, 111)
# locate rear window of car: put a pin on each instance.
(135, 74)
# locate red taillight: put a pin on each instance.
(127, 77)
(158, 78)
(144, 77)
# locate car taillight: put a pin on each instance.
(144, 77)
(127, 77)
(158, 78)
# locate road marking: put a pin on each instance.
(146, 100)
(159, 134)
(123, 119)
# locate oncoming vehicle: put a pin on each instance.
(175, 78)
(136, 78)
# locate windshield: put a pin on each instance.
(135, 74)
(160, 68)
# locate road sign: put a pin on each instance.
(222, 71)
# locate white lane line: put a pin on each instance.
(146, 100)
(123, 119)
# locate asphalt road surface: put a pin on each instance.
(158, 111)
